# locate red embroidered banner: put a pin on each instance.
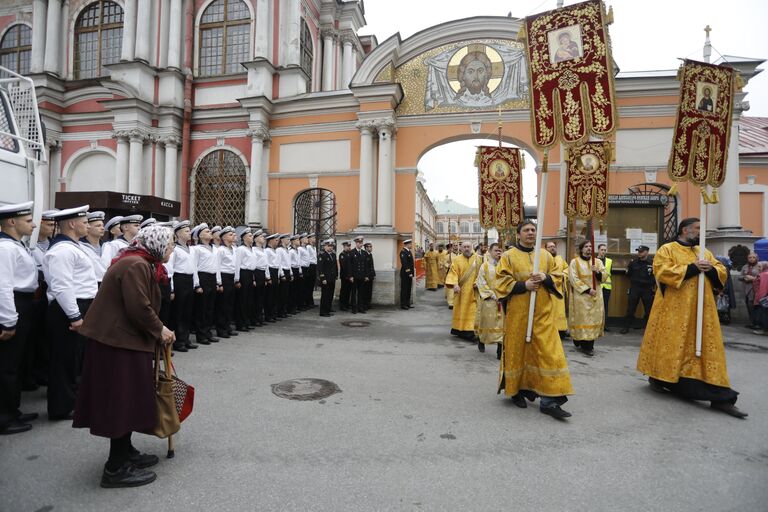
(703, 125)
(586, 193)
(571, 74)
(501, 192)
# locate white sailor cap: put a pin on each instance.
(70, 213)
(131, 219)
(198, 229)
(311, 235)
(367, 244)
(148, 222)
(216, 229)
(285, 235)
(358, 239)
(48, 214)
(258, 232)
(329, 241)
(273, 236)
(242, 231)
(225, 230)
(346, 242)
(407, 241)
(96, 216)
(113, 222)
(295, 237)
(180, 225)
(304, 235)
(16, 210)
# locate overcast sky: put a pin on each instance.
(646, 35)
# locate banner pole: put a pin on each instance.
(539, 233)
(702, 277)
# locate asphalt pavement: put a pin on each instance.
(415, 424)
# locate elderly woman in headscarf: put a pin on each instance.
(760, 290)
(116, 396)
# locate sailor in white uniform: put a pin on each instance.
(261, 278)
(245, 262)
(275, 274)
(92, 242)
(305, 261)
(72, 286)
(129, 226)
(285, 307)
(297, 285)
(17, 287)
(209, 278)
(184, 284)
(112, 227)
(225, 302)
(310, 277)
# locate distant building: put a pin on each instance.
(424, 225)
(457, 222)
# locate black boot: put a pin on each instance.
(519, 400)
(481, 346)
(498, 351)
(127, 475)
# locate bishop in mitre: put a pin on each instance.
(490, 316)
(538, 368)
(668, 352)
(586, 317)
(560, 278)
(431, 268)
(461, 279)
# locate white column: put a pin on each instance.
(328, 53)
(159, 144)
(135, 163)
(258, 135)
(129, 31)
(174, 35)
(264, 204)
(53, 37)
(261, 48)
(346, 76)
(384, 206)
(354, 60)
(121, 169)
(365, 208)
(170, 188)
(292, 36)
(163, 29)
(39, 19)
(730, 210)
(143, 30)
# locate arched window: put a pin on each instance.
(225, 33)
(307, 49)
(98, 38)
(476, 227)
(16, 49)
(454, 227)
(220, 189)
(465, 227)
(314, 211)
(440, 227)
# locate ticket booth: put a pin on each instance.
(116, 203)
(646, 215)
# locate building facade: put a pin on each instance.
(424, 222)
(276, 113)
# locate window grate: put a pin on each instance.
(220, 189)
(315, 212)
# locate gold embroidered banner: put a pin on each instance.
(501, 193)
(571, 74)
(586, 193)
(703, 125)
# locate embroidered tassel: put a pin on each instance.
(673, 190)
(522, 161)
(609, 16)
(714, 198)
(477, 158)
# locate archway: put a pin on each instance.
(314, 211)
(220, 189)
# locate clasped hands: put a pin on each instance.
(534, 282)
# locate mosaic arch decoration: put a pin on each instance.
(479, 74)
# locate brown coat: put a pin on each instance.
(124, 313)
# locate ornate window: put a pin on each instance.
(16, 49)
(314, 211)
(440, 227)
(225, 33)
(454, 228)
(220, 189)
(307, 49)
(98, 38)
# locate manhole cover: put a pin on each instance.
(746, 347)
(305, 389)
(356, 323)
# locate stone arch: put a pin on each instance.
(90, 168)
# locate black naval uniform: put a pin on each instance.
(370, 273)
(357, 270)
(327, 270)
(344, 273)
(642, 282)
(406, 277)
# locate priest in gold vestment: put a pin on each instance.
(442, 269)
(431, 268)
(560, 278)
(586, 317)
(461, 279)
(537, 368)
(449, 257)
(490, 317)
(668, 352)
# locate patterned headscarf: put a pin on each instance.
(150, 243)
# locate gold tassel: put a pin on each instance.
(740, 83)
(714, 198)
(522, 161)
(477, 158)
(609, 16)
(602, 227)
(680, 73)
(673, 189)
(522, 34)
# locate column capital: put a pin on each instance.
(259, 132)
(387, 124)
(121, 135)
(368, 125)
(348, 38)
(327, 32)
(170, 140)
(139, 135)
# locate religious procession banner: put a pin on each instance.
(703, 125)
(571, 73)
(501, 193)
(586, 193)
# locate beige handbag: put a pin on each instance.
(167, 416)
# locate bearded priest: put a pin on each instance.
(461, 278)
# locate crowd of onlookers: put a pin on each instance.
(754, 275)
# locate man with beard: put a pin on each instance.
(560, 279)
(449, 257)
(585, 302)
(667, 354)
(461, 277)
(474, 72)
(442, 266)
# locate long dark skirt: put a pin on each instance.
(116, 394)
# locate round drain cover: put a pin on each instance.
(356, 323)
(305, 389)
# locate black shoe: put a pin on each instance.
(243, 329)
(624, 330)
(519, 401)
(481, 346)
(203, 342)
(180, 348)
(222, 334)
(26, 418)
(325, 314)
(605, 329)
(17, 427)
(213, 340)
(62, 417)
(498, 351)
(127, 476)
(271, 320)
(411, 306)
(404, 307)
(556, 412)
(588, 352)
(656, 386)
(233, 333)
(192, 346)
(450, 307)
(729, 409)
